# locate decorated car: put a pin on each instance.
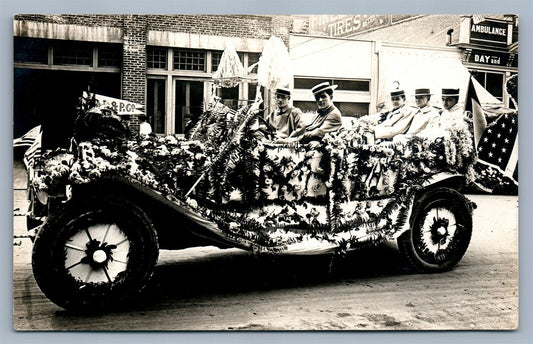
(102, 209)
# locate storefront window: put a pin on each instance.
(252, 92)
(189, 99)
(110, 55)
(73, 53)
(31, 50)
(495, 85)
(343, 84)
(155, 104)
(215, 60)
(189, 60)
(253, 58)
(492, 82)
(230, 96)
(353, 109)
(156, 58)
(305, 106)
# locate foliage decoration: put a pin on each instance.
(342, 191)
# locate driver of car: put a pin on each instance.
(286, 122)
(328, 118)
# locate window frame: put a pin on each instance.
(51, 63)
(333, 81)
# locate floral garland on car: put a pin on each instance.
(272, 195)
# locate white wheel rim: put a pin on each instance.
(445, 233)
(108, 266)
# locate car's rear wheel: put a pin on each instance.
(95, 255)
(440, 231)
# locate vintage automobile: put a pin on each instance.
(102, 209)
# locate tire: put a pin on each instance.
(440, 232)
(95, 255)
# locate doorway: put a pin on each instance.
(189, 100)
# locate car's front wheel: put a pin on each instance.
(440, 232)
(95, 254)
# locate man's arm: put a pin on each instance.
(332, 123)
(388, 132)
(299, 125)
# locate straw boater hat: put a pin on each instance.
(283, 91)
(450, 92)
(322, 87)
(422, 92)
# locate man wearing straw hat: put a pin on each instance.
(287, 121)
(328, 118)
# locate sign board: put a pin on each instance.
(490, 58)
(490, 32)
(347, 25)
(122, 107)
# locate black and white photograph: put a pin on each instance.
(239, 172)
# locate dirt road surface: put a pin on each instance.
(212, 289)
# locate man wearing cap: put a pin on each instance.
(287, 120)
(426, 114)
(398, 120)
(452, 111)
(451, 116)
(328, 118)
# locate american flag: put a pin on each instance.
(499, 144)
(497, 141)
(34, 152)
(27, 139)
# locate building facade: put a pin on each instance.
(487, 45)
(166, 62)
(163, 62)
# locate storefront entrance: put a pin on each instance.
(189, 98)
(49, 98)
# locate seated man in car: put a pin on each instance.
(397, 121)
(286, 122)
(328, 118)
(453, 114)
(452, 117)
(426, 116)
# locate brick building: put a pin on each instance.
(163, 62)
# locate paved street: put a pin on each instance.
(212, 289)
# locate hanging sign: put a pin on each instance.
(490, 32)
(122, 107)
(491, 58)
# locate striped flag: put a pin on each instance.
(34, 152)
(473, 105)
(499, 145)
(27, 139)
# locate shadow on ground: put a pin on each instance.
(239, 272)
(244, 272)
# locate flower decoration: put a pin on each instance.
(343, 190)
